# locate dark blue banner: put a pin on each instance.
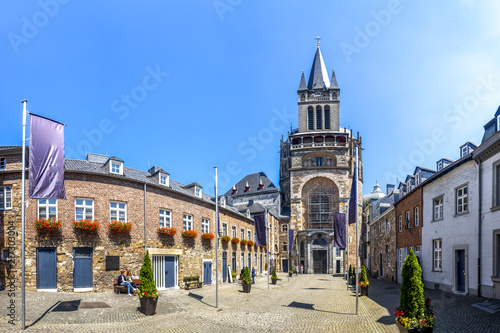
(260, 230)
(339, 230)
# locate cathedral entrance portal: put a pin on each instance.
(319, 257)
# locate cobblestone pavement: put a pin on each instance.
(306, 303)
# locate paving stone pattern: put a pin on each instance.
(307, 303)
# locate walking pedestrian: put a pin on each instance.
(253, 275)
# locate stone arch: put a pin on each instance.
(320, 201)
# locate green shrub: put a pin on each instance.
(274, 275)
(147, 288)
(246, 278)
(290, 269)
(411, 300)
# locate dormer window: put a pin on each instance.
(417, 179)
(498, 123)
(464, 151)
(116, 167)
(261, 185)
(164, 179)
(234, 190)
(247, 187)
(248, 213)
(197, 191)
(3, 163)
(222, 201)
(440, 166)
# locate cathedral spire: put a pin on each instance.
(302, 85)
(333, 81)
(318, 78)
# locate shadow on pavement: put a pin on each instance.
(49, 310)
(199, 298)
(307, 306)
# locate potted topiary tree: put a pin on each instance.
(274, 276)
(363, 282)
(351, 275)
(290, 270)
(148, 294)
(414, 314)
(233, 275)
(246, 280)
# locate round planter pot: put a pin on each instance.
(273, 281)
(290, 274)
(247, 287)
(363, 291)
(414, 330)
(148, 305)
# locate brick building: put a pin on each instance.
(103, 189)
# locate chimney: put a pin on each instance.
(247, 187)
(261, 185)
(234, 189)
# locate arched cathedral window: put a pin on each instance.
(318, 118)
(310, 118)
(327, 117)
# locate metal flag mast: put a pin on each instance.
(216, 244)
(356, 217)
(23, 176)
(268, 242)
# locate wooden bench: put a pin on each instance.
(192, 281)
(119, 289)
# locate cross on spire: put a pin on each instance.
(317, 39)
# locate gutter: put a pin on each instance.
(145, 223)
(479, 233)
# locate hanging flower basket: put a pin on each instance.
(207, 236)
(250, 243)
(118, 226)
(50, 224)
(167, 231)
(235, 240)
(189, 233)
(89, 225)
(243, 242)
(225, 238)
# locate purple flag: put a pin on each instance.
(353, 200)
(260, 229)
(339, 231)
(290, 240)
(46, 159)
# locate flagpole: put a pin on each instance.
(23, 176)
(347, 249)
(268, 242)
(356, 217)
(289, 263)
(216, 244)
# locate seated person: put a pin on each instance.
(123, 282)
(129, 278)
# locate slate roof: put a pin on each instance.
(253, 181)
(302, 85)
(84, 166)
(318, 78)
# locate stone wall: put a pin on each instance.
(380, 243)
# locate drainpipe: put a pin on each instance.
(479, 233)
(145, 223)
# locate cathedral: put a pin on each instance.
(316, 170)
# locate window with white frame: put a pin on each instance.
(197, 191)
(285, 246)
(222, 201)
(437, 262)
(164, 179)
(205, 225)
(165, 218)
(187, 222)
(400, 259)
(242, 233)
(496, 184)
(242, 260)
(118, 211)
(3, 163)
(224, 229)
(233, 231)
(498, 123)
(387, 255)
(249, 235)
(5, 197)
(417, 179)
(116, 167)
(400, 223)
(407, 219)
(461, 194)
(417, 216)
(84, 209)
(440, 166)
(438, 208)
(47, 208)
(387, 226)
(496, 253)
(284, 228)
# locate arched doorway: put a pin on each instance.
(320, 255)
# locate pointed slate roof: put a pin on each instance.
(253, 181)
(318, 78)
(302, 85)
(333, 81)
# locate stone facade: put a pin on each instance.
(382, 245)
(129, 247)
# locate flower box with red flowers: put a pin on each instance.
(207, 236)
(189, 233)
(145, 293)
(50, 224)
(167, 231)
(88, 225)
(235, 240)
(363, 283)
(225, 238)
(243, 242)
(118, 226)
(250, 243)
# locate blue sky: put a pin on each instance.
(189, 85)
